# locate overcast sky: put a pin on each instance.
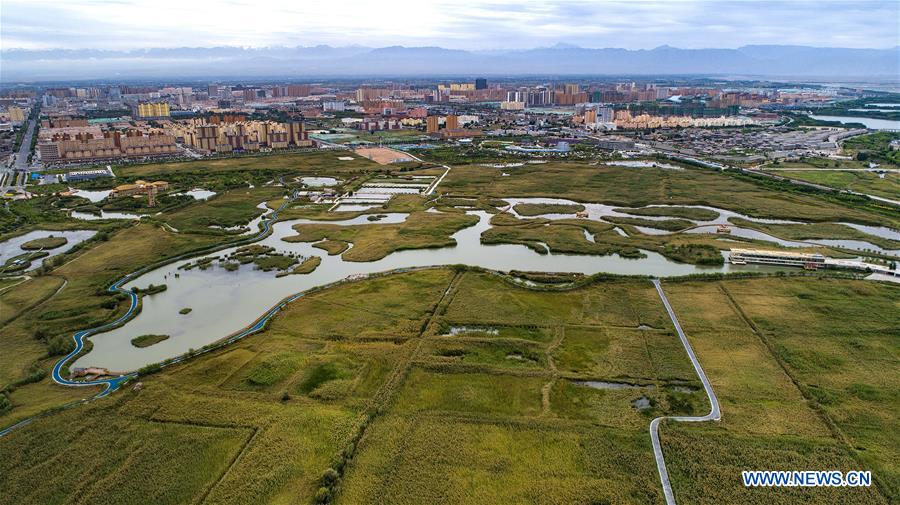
(462, 24)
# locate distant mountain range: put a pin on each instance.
(356, 61)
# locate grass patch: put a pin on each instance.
(332, 246)
(661, 224)
(309, 265)
(536, 209)
(373, 242)
(50, 242)
(148, 340)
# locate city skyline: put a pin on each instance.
(468, 25)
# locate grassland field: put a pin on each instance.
(366, 379)
(362, 393)
(871, 183)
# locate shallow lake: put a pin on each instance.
(319, 181)
(199, 194)
(873, 124)
(93, 196)
(13, 247)
(224, 302)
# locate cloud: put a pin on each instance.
(463, 24)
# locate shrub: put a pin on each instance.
(323, 495)
(329, 477)
(60, 345)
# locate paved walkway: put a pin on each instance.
(714, 413)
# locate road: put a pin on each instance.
(25, 148)
(21, 164)
(714, 413)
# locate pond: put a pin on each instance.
(199, 194)
(13, 247)
(224, 302)
(88, 216)
(93, 196)
(319, 181)
(644, 164)
(872, 124)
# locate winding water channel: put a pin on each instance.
(224, 302)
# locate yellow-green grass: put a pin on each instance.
(381, 308)
(332, 247)
(861, 182)
(536, 209)
(567, 236)
(484, 299)
(454, 420)
(286, 404)
(21, 297)
(705, 465)
(513, 353)
(127, 460)
(460, 460)
(806, 365)
(308, 265)
(623, 355)
(148, 340)
(235, 207)
(839, 339)
(659, 224)
(482, 394)
(323, 162)
(614, 408)
(628, 187)
(7, 282)
(373, 242)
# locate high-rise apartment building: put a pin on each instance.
(605, 114)
(451, 122)
(431, 124)
(298, 90)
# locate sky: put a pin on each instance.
(457, 24)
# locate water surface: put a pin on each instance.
(224, 302)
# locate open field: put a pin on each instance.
(460, 387)
(801, 367)
(381, 155)
(24, 296)
(632, 187)
(282, 163)
(268, 415)
(861, 182)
